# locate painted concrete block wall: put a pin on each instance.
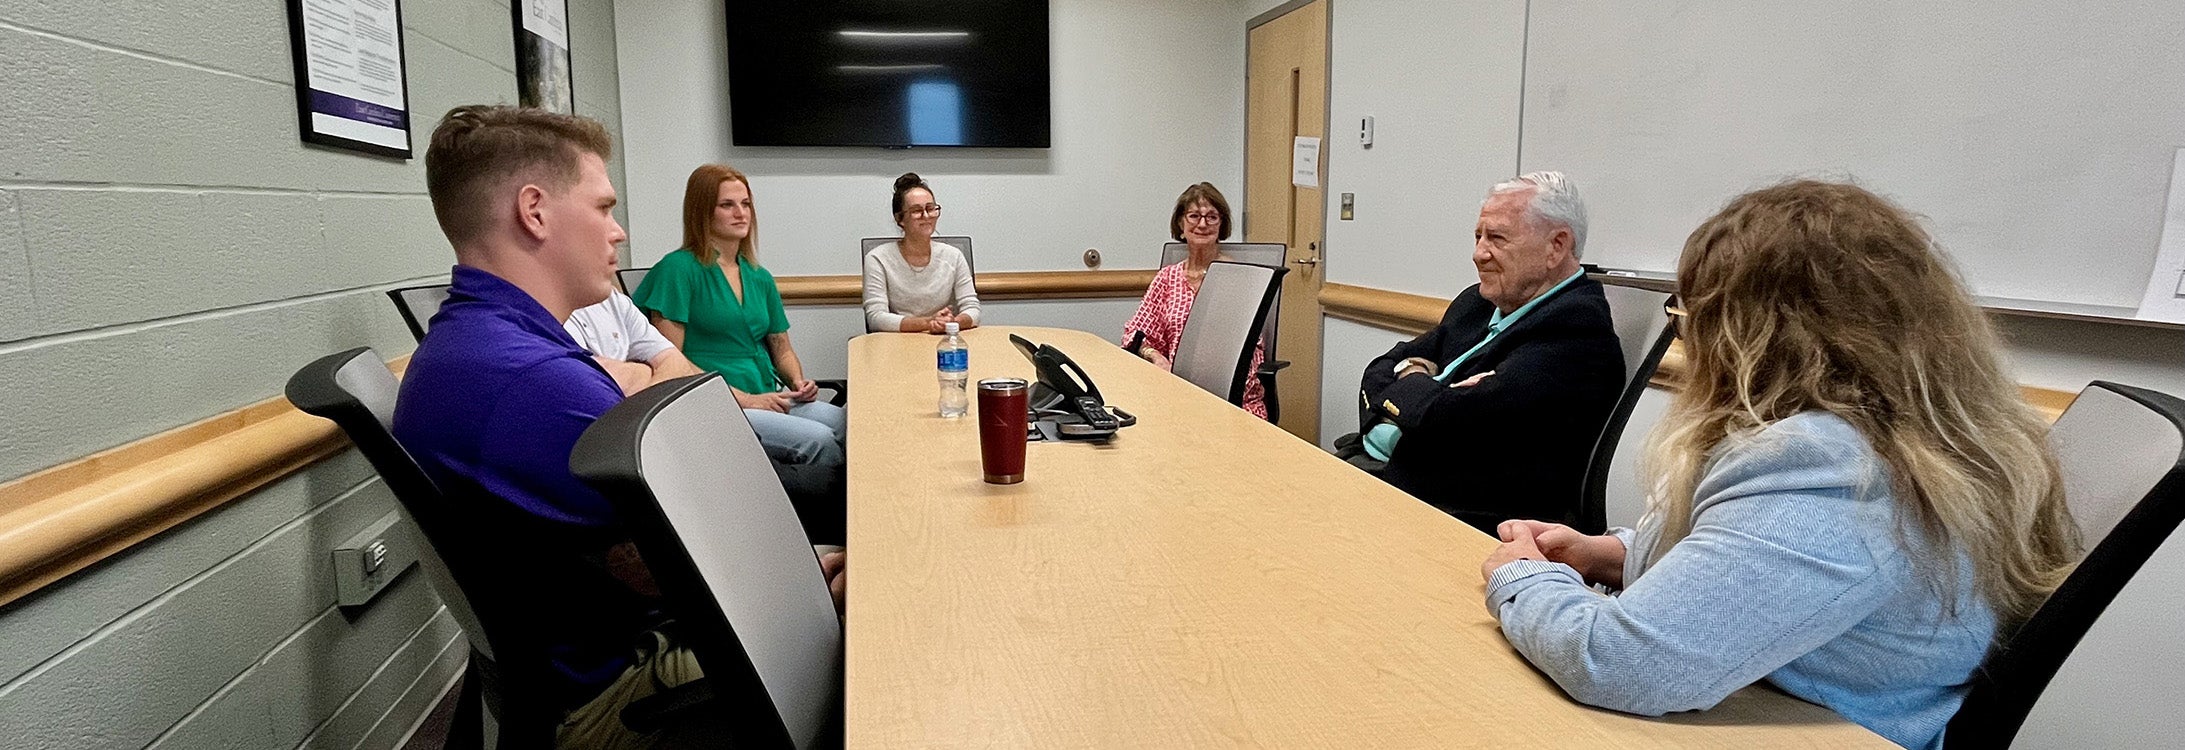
(170, 250)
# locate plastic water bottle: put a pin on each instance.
(955, 366)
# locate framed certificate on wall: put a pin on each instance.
(351, 88)
(542, 55)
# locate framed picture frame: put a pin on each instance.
(352, 81)
(543, 77)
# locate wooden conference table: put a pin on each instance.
(1204, 580)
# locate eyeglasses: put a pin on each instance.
(1205, 218)
(1678, 312)
(930, 209)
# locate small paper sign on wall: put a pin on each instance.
(1305, 162)
(2165, 297)
(351, 89)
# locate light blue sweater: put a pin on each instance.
(1797, 571)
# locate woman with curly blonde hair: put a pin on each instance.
(1852, 497)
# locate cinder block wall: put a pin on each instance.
(170, 250)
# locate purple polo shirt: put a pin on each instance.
(492, 403)
(498, 393)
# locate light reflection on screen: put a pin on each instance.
(935, 109)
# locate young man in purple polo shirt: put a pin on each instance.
(498, 392)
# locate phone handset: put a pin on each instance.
(1060, 380)
(1063, 386)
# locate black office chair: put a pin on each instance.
(1645, 329)
(1271, 255)
(481, 547)
(417, 305)
(730, 555)
(631, 278)
(1214, 351)
(2123, 455)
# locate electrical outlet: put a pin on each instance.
(365, 563)
(1350, 201)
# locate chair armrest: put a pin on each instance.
(841, 389)
(1272, 366)
(655, 712)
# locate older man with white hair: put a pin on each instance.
(1493, 414)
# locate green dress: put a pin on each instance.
(720, 334)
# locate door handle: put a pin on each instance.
(1312, 261)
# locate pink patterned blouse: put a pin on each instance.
(1161, 317)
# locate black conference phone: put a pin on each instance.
(1064, 402)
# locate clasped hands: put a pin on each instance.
(937, 323)
(779, 401)
(1148, 354)
(1599, 559)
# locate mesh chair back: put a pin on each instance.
(1640, 317)
(630, 278)
(961, 242)
(417, 305)
(723, 541)
(357, 392)
(1269, 254)
(2100, 444)
(1214, 351)
(1643, 328)
(1623, 497)
(2112, 449)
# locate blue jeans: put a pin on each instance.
(806, 447)
(811, 433)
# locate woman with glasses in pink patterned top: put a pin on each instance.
(1201, 221)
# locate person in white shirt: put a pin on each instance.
(917, 285)
(625, 343)
(636, 355)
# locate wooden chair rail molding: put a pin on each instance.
(1397, 311)
(993, 285)
(66, 518)
(1415, 314)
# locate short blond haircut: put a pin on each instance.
(479, 149)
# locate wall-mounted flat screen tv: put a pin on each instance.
(888, 73)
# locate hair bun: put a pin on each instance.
(909, 180)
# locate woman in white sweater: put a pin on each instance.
(917, 285)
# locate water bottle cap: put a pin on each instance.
(950, 327)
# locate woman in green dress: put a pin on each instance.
(723, 310)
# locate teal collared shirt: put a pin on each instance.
(1380, 442)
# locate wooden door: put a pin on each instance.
(1286, 96)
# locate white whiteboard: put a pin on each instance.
(2035, 136)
